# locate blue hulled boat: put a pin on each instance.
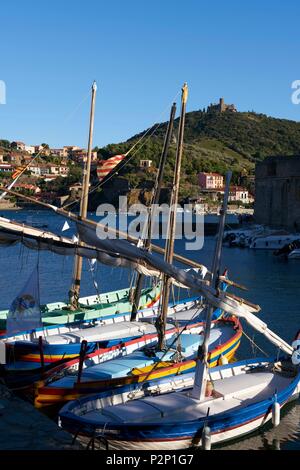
(145, 365)
(64, 341)
(246, 395)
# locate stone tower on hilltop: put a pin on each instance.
(221, 107)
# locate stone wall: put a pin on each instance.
(277, 192)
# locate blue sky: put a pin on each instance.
(140, 53)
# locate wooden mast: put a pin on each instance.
(201, 373)
(155, 200)
(169, 254)
(77, 271)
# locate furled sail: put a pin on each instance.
(117, 253)
(35, 239)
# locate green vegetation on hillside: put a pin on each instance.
(213, 142)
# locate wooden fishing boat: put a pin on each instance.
(139, 367)
(19, 375)
(91, 307)
(64, 341)
(247, 394)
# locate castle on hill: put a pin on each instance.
(221, 107)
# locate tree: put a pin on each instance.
(5, 143)
(75, 174)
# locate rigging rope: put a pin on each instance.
(133, 394)
(120, 167)
(254, 344)
(123, 164)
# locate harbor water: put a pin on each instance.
(272, 283)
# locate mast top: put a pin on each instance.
(185, 92)
(94, 86)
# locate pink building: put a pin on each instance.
(211, 181)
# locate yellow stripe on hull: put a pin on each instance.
(162, 370)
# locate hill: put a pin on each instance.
(212, 142)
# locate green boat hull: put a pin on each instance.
(109, 303)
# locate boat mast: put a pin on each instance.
(169, 253)
(151, 214)
(75, 289)
(201, 372)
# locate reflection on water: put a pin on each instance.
(272, 283)
(286, 436)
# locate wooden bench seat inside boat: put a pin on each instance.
(234, 392)
(102, 333)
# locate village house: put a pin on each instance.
(6, 168)
(42, 150)
(80, 155)
(57, 152)
(59, 170)
(17, 145)
(238, 194)
(38, 148)
(39, 170)
(26, 159)
(30, 149)
(49, 177)
(16, 158)
(145, 163)
(49, 170)
(4, 158)
(68, 149)
(210, 181)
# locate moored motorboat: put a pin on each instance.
(295, 254)
(274, 241)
